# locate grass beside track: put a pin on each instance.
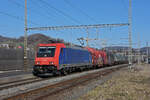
(130, 84)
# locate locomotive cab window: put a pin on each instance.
(46, 52)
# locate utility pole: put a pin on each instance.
(97, 33)
(104, 44)
(147, 51)
(87, 39)
(130, 33)
(139, 53)
(25, 39)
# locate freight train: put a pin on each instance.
(58, 58)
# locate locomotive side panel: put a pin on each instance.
(74, 58)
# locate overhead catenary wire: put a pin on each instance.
(30, 9)
(124, 4)
(80, 10)
(16, 3)
(42, 0)
(47, 13)
(16, 17)
(60, 11)
(47, 10)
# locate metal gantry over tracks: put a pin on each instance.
(77, 27)
(26, 29)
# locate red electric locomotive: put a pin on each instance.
(46, 58)
(58, 58)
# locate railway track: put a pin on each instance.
(43, 92)
(12, 84)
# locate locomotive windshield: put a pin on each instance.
(46, 52)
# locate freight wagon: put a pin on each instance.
(99, 57)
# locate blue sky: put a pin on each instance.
(79, 12)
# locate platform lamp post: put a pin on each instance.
(25, 39)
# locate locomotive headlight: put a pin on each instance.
(51, 62)
(37, 62)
